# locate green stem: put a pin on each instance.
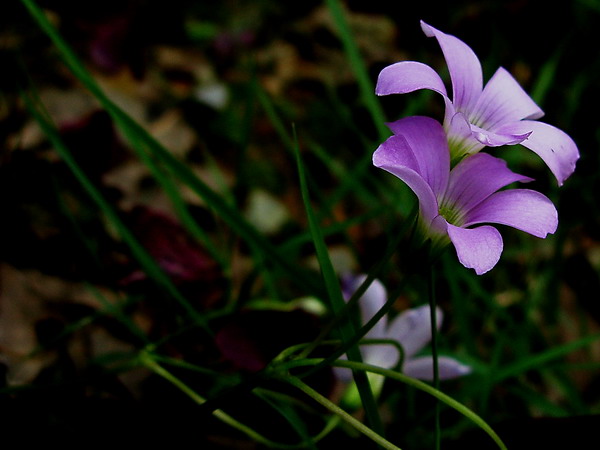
(148, 361)
(434, 353)
(296, 382)
(449, 401)
(372, 275)
(347, 328)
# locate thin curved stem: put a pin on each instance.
(434, 354)
(296, 382)
(147, 361)
(454, 404)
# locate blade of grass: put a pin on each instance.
(449, 401)
(270, 396)
(147, 360)
(337, 303)
(181, 208)
(371, 276)
(288, 413)
(376, 437)
(153, 362)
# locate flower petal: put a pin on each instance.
(370, 302)
(386, 356)
(477, 177)
(503, 101)
(408, 76)
(412, 329)
(477, 248)
(427, 139)
(461, 140)
(554, 146)
(464, 68)
(497, 138)
(523, 209)
(422, 368)
(457, 124)
(396, 156)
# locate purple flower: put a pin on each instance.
(411, 329)
(501, 113)
(452, 201)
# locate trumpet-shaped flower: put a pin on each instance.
(411, 329)
(451, 202)
(501, 113)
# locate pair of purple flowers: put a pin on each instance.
(458, 188)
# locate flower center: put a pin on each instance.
(477, 121)
(460, 145)
(452, 214)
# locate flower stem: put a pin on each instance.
(296, 382)
(434, 353)
(148, 361)
(348, 328)
(418, 384)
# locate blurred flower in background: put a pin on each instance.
(411, 329)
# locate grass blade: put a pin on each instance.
(338, 305)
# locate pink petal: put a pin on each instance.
(412, 329)
(464, 68)
(498, 138)
(422, 368)
(458, 125)
(427, 139)
(461, 140)
(477, 248)
(554, 146)
(408, 76)
(503, 101)
(395, 156)
(477, 177)
(523, 209)
(385, 356)
(370, 302)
